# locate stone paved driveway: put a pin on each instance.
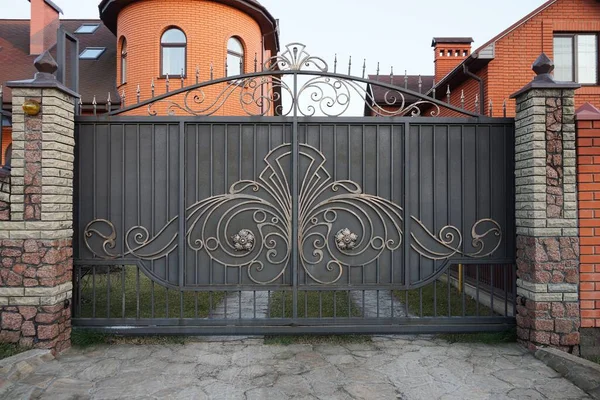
(388, 368)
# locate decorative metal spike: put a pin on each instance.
(462, 99)
(491, 107)
(138, 93)
(181, 77)
(95, 105)
(79, 105)
(392, 75)
(448, 94)
(212, 70)
(477, 110)
(350, 66)
(335, 63)
(405, 79)
(364, 68)
(420, 84)
(152, 87)
(108, 103)
(167, 83)
(433, 89)
(504, 108)
(197, 74)
(226, 69)
(1, 97)
(241, 67)
(123, 103)
(377, 71)
(255, 62)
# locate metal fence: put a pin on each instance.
(189, 223)
(286, 222)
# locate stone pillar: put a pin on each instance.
(4, 195)
(546, 212)
(36, 270)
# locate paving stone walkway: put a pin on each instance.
(378, 304)
(401, 367)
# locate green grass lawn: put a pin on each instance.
(87, 337)
(312, 304)
(10, 349)
(435, 302)
(317, 339)
(117, 296)
(484, 337)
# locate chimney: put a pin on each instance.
(448, 53)
(43, 26)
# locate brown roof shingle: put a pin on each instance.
(96, 77)
(411, 84)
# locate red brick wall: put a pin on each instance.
(588, 178)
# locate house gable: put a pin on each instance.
(504, 62)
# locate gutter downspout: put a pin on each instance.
(481, 91)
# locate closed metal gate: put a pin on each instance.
(294, 224)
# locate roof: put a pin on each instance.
(109, 9)
(96, 77)
(485, 53)
(412, 83)
(461, 40)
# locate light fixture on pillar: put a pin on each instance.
(31, 107)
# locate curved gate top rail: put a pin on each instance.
(311, 89)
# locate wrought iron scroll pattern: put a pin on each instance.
(210, 226)
(323, 92)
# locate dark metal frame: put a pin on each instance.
(61, 54)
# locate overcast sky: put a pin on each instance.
(393, 32)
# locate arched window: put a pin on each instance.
(235, 57)
(123, 61)
(173, 52)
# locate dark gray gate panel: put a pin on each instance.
(460, 190)
(371, 157)
(386, 210)
(129, 193)
(218, 156)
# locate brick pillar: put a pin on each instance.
(588, 178)
(36, 270)
(546, 212)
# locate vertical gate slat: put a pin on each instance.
(181, 205)
(407, 211)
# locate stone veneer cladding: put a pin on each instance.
(36, 251)
(546, 219)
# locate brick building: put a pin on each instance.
(137, 44)
(565, 30)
